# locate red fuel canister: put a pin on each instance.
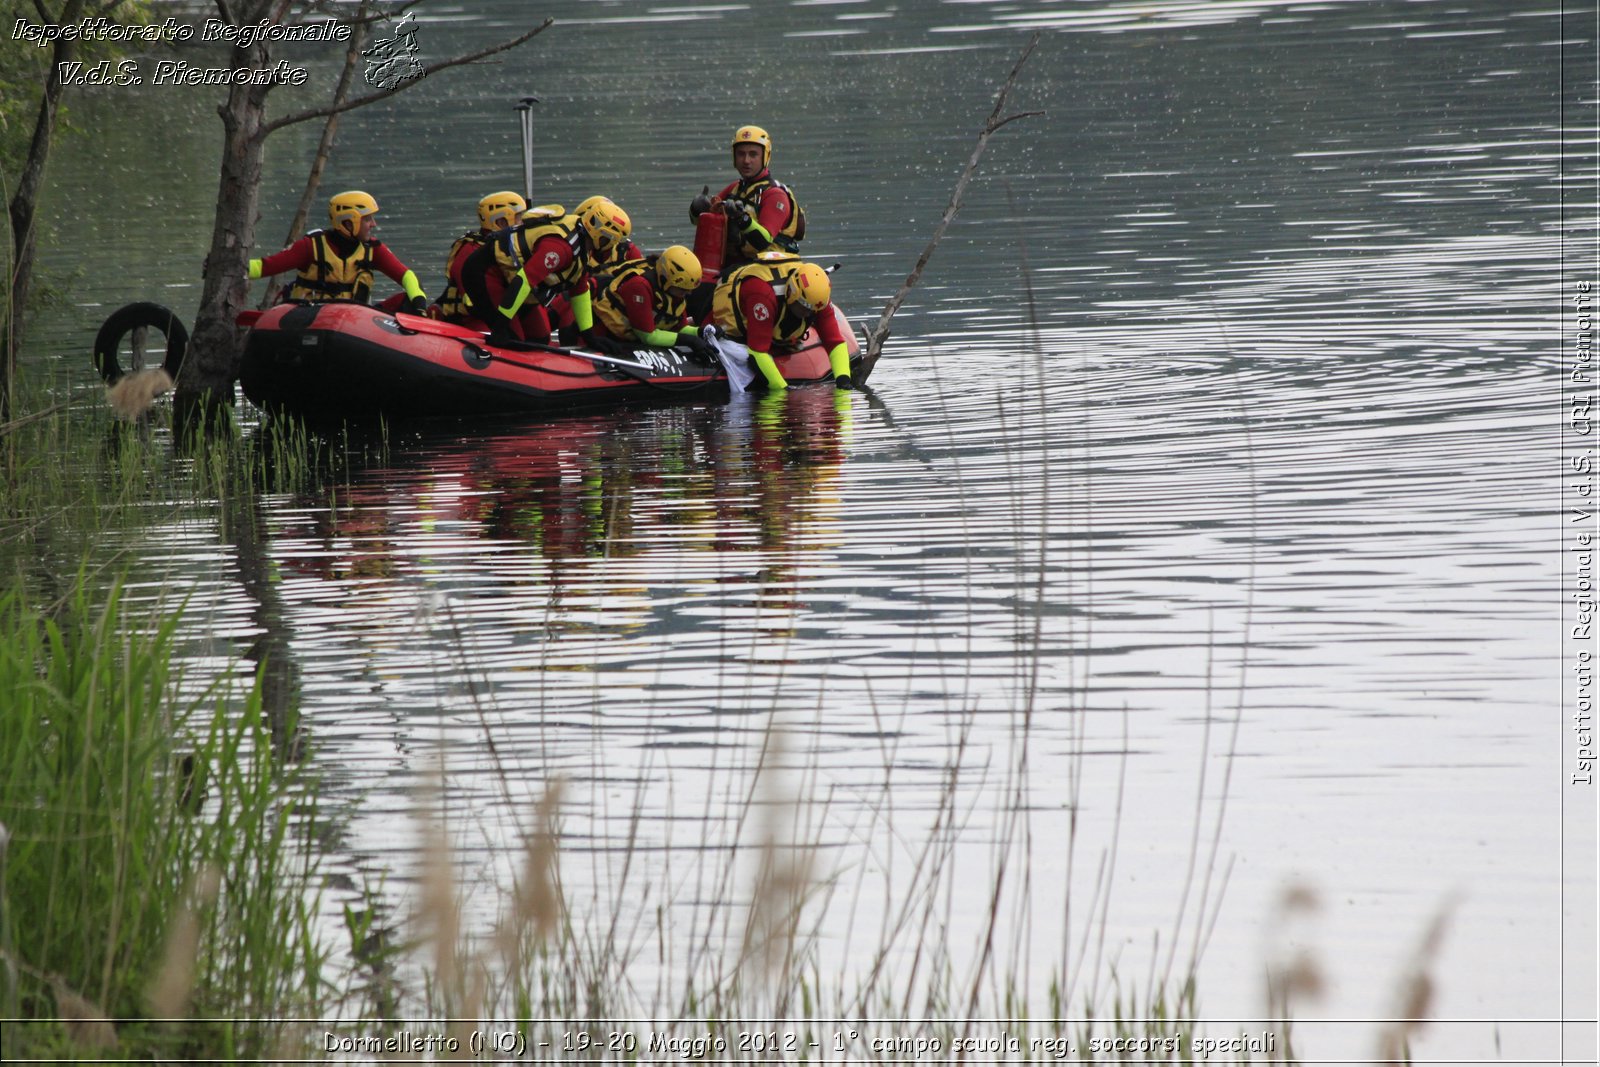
(710, 230)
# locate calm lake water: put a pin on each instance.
(1213, 469)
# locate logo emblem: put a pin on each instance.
(392, 61)
(552, 260)
(761, 313)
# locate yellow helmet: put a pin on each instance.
(809, 288)
(501, 211)
(606, 224)
(346, 210)
(754, 135)
(588, 202)
(677, 268)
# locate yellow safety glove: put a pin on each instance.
(255, 270)
(690, 337)
(756, 229)
(416, 299)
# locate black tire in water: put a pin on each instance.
(125, 320)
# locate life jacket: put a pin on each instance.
(620, 254)
(513, 247)
(748, 195)
(777, 269)
(330, 276)
(668, 311)
(453, 303)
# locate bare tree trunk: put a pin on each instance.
(206, 380)
(204, 388)
(24, 202)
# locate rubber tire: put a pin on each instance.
(129, 318)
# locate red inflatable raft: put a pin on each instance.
(351, 360)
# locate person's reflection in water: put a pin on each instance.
(777, 466)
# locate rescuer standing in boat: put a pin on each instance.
(644, 301)
(496, 212)
(338, 263)
(545, 252)
(762, 211)
(775, 300)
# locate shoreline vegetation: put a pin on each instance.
(156, 894)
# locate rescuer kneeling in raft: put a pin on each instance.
(546, 254)
(644, 301)
(774, 301)
(496, 212)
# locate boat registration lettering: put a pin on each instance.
(662, 361)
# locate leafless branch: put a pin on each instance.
(338, 11)
(880, 333)
(384, 94)
(381, 16)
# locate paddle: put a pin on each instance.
(525, 116)
(418, 324)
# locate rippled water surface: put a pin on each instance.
(1203, 499)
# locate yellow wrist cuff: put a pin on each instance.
(582, 311)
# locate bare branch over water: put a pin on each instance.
(880, 333)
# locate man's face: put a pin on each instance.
(747, 160)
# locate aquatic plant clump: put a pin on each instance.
(152, 901)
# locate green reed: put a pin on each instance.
(155, 899)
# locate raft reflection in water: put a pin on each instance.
(616, 505)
